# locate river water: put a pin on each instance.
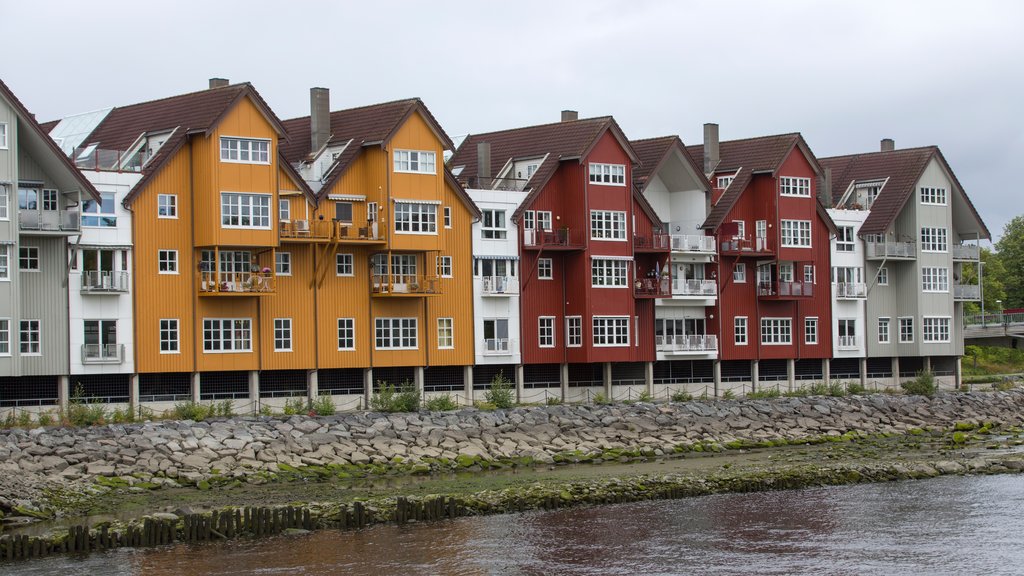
(949, 525)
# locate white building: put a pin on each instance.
(849, 285)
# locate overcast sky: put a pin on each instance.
(845, 74)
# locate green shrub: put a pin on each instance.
(143, 414)
(855, 388)
(601, 399)
(837, 389)
(296, 405)
(644, 396)
(192, 410)
(122, 415)
(82, 412)
(224, 408)
(681, 396)
(45, 418)
(798, 392)
(818, 389)
(265, 410)
(764, 393)
(501, 393)
(552, 400)
(728, 395)
(442, 404)
(323, 405)
(389, 399)
(923, 385)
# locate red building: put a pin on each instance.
(773, 235)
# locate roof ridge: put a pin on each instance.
(652, 138)
(556, 123)
(165, 98)
(766, 137)
(932, 147)
(413, 100)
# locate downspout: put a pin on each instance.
(192, 250)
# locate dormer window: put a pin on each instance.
(724, 181)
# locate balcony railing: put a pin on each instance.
(878, 250)
(651, 243)
(785, 289)
(703, 288)
(966, 292)
(687, 343)
(850, 290)
(90, 158)
(487, 183)
(102, 282)
(757, 245)
(384, 285)
(50, 220)
(499, 285)
(498, 346)
(966, 252)
(565, 239)
(325, 230)
(306, 229)
(652, 287)
(236, 283)
(102, 353)
(693, 243)
(847, 343)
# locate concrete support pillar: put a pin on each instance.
(63, 392)
(863, 371)
(958, 374)
(927, 363)
(563, 378)
(606, 378)
(133, 393)
(196, 386)
(313, 384)
(826, 370)
(520, 382)
(755, 375)
(649, 378)
(367, 386)
(254, 390)
(417, 378)
(896, 371)
(467, 384)
(716, 375)
(791, 373)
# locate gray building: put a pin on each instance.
(42, 198)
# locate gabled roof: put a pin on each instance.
(903, 168)
(653, 152)
(39, 136)
(297, 178)
(372, 125)
(182, 115)
(558, 141)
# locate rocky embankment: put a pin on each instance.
(183, 452)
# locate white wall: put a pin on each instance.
(850, 309)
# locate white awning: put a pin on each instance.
(410, 201)
(496, 257)
(348, 197)
(84, 246)
(599, 257)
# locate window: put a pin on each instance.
(529, 217)
(496, 335)
(786, 272)
(448, 218)
(244, 150)
(167, 205)
(739, 330)
(371, 212)
(739, 273)
(232, 262)
(614, 174)
(546, 331)
(906, 330)
(284, 210)
(5, 262)
(414, 218)
(100, 214)
(343, 265)
(544, 219)
(724, 181)
(29, 339)
(343, 212)
(493, 224)
(607, 273)
(761, 229)
(809, 273)
(418, 161)
(28, 198)
(776, 331)
(346, 333)
(227, 335)
(444, 266)
(934, 279)
(933, 239)
(169, 336)
(791, 186)
(396, 333)
(844, 239)
(403, 269)
(796, 233)
(50, 200)
(544, 269)
(244, 210)
(5, 337)
(741, 229)
(574, 331)
(282, 334)
(810, 330)
(883, 330)
(611, 331)
(883, 276)
(495, 267)
(167, 261)
(445, 333)
(283, 264)
(3, 135)
(847, 333)
(935, 329)
(607, 225)
(5, 201)
(935, 196)
(28, 258)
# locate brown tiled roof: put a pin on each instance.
(652, 152)
(28, 120)
(732, 193)
(901, 168)
(49, 126)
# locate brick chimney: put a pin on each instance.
(570, 115)
(888, 144)
(483, 163)
(319, 117)
(218, 82)
(710, 147)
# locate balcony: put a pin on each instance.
(236, 283)
(682, 287)
(498, 346)
(966, 253)
(652, 243)
(850, 290)
(891, 250)
(687, 344)
(693, 244)
(967, 292)
(92, 158)
(405, 285)
(489, 183)
(785, 290)
(564, 239)
(50, 222)
(306, 230)
(846, 343)
(499, 285)
(104, 282)
(652, 287)
(345, 233)
(102, 353)
(746, 247)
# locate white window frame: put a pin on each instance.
(415, 162)
(607, 174)
(3, 136)
(5, 202)
(884, 330)
(425, 221)
(444, 266)
(545, 265)
(283, 264)
(544, 220)
(169, 336)
(845, 241)
(608, 225)
(724, 181)
(936, 329)
(346, 334)
(934, 279)
(167, 262)
(574, 331)
(93, 211)
(344, 264)
(739, 273)
(786, 272)
(610, 331)
(5, 336)
(27, 255)
(773, 329)
(933, 196)
(29, 346)
(167, 206)
(901, 320)
(490, 228)
(934, 239)
(811, 330)
(740, 330)
(883, 275)
(5, 262)
(284, 209)
(447, 216)
(795, 186)
(445, 333)
(238, 331)
(545, 331)
(236, 207)
(810, 274)
(609, 273)
(796, 233)
(282, 334)
(255, 150)
(398, 333)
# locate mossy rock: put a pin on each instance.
(111, 481)
(465, 460)
(31, 513)
(203, 485)
(964, 426)
(147, 485)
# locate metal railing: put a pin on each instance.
(653, 242)
(499, 285)
(683, 287)
(966, 252)
(847, 343)
(108, 160)
(47, 220)
(565, 237)
(236, 282)
(652, 287)
(785, 289)
(498, 346)
(398, 284)
(693, 243)
(313, 229)
(758, 244)
(102, 353)
(891, 250)
(489, 183)
(687, 343)
(101, 281)
(966, 292)
(848, 290)
(994, 319)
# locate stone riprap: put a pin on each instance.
(186, 452)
